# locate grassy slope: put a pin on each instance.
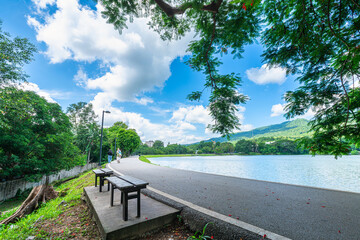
(50, 210)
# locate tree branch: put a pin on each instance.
(355, 4)
(347, 99)
(213, 83)
(172, 11)
(332, 30)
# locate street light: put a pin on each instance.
(102, 123)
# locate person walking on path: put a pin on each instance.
(110, 153)
(118, 157)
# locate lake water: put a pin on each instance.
(319, 171)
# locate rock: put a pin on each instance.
(13, 226)
(39, 219)
(62, 203)
(30, 238)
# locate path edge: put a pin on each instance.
(196, 217)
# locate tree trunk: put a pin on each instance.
(88, 158)
(40, 193)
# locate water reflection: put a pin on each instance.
(319, 171)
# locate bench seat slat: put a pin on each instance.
(107, 171)
(119, 183)
(98, 171)
(134, 181)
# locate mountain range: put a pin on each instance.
(290, 129)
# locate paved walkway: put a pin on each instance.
(291, 211)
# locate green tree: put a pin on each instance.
(35, 136)
(221, 27)
(227, 147)
(14, 53)
(319, 41)
(158, 144)
(267, 148)
(85, 128)
(126, 139)
(285, 146)
(175, 149)
(245, 146)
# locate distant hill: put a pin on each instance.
(289, 129)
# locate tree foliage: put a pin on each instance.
(14, 53)
(158, 144)
(85, 128)
(35, 136)
(319, 41)
(220, 26)
(126, 139)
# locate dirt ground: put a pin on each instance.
(76, 223)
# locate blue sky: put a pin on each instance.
(142, 80)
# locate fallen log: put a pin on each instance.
(38, 194)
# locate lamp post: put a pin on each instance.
(102, 124)
(115, 148)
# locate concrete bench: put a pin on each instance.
(126, 184)
(101, 174)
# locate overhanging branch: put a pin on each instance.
(172, 11)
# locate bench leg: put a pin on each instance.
(125, 207)
(101, 182)
(138, 203)
(108, 185)
(112, 196)
(95, 180)
(122, 197)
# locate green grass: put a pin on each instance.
(144, 159)
(50, 210)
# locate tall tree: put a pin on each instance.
(35, 136)
(245, 146)
(14, 53)
(158, 144)
(126, 139)
(221, 27)
(319, 40)
(85, 127)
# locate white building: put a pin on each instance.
(149, 143)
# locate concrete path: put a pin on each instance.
(291, 211)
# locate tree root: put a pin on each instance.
(40, 193)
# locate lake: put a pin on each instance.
(319, 171)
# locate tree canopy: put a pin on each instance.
(318, 40)
(85, 128)
(14, 53)
(35, 136)
(126, 139)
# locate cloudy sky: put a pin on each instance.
(139, 78)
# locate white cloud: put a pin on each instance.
(278, 109)
(186, 126)
(138, 61)
(174, 133)
(81, 78)
(246, 127)
(40, 4)
(27, 86)
(132, 64)
(144, 100)
(192, 114)
(265, 75)
(308, 115)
